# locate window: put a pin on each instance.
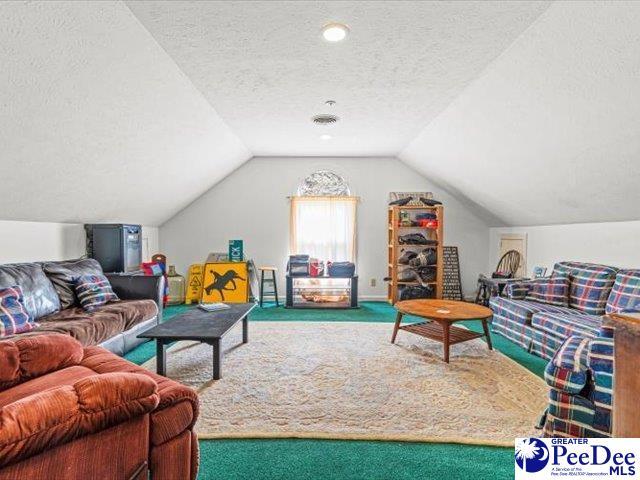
(323, 218)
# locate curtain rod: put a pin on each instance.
(290, 197)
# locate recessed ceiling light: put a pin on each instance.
(325, 136)
(335, 32)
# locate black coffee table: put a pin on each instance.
(202, 326)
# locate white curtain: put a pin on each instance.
(324, 227)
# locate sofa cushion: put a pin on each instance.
(93, 291)
(132, 312)
(88, 328)
(550, 290)
(515, 331)
(63, 413)
(93, 328)
(625, 294)
(63, 274)
(563, 324)
(590, 285)
(25, 357)
(14, 318)
(522, 310)
(544, 344)
(40, 298)
(65, 376)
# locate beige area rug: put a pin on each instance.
(347, 381)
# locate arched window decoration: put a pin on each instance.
(323, 183)
(323, 218)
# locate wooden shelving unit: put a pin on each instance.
(394, 247)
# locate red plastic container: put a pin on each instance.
(316, 267)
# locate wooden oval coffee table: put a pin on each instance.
(440, 316)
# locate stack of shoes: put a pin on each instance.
(426, 257)
(412, 239)
(412, 292)
(426, 274)
(408, 275)
(406, 257)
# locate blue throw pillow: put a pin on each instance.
(550, 290)
(13, 316)
(94, 291)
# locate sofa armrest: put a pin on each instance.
(23, 358)
(568, 370)
(517, 290)
(181, 401)
(138, 287)
(583, 366)
(58, 415)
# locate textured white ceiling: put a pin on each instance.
(265, 69)
(550, 133)
(97, 123)
(529, 113)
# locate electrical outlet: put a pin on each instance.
(372, 282)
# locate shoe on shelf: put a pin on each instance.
(400, 202)
(406, 257)
(430, 202)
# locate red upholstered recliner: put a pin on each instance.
(70, 412)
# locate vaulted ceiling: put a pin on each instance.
(528, 111)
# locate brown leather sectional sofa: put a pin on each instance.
(69, 407)
(51, 302)
(71, 412)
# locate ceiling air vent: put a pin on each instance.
(324, 119)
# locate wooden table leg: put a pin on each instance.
(396, 327)
(485, 327)
(445, 339)
(217, 359)
(161, 356)
(245, 329)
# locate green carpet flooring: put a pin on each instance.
(349, 460)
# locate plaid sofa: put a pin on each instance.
(541, 328)
(577, 340)
(580, 375)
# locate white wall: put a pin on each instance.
(614, 243)
(251, 204)
(36, 241)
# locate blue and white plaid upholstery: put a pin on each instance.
(14, 317)
(522, 310)
(517, 332)
(581, 378)
(544, 344)
(516, 290)
(590, 285)
(513, 319)
(625, 295)
(564, 325)
(550, 290)
(94, 291)
(522, 316)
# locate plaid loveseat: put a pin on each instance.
(541, 328)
